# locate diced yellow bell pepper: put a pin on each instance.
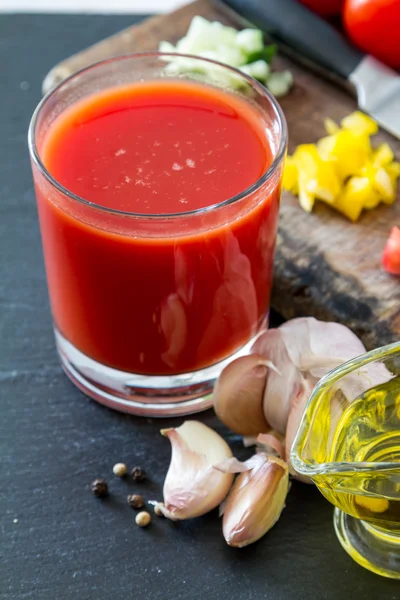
(384, 186)
(342, 169)
(350, 151)
(363, 188)
(325, 147)
(381, 182)
(306, 199)
(306, 158)
(394, 169)
(359, 124)
(373, 201)
(382, 156)
(330, 126)
(351, 199)
(320, 179)
(326, 185)
(290, 176)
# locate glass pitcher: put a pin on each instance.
(348, 443)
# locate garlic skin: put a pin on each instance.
(271, 443)
(319, 346)
(294, 419)
(192, 486)
(256, 500)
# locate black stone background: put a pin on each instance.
(53, 441)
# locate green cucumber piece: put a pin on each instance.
(249, 40)
(258, 69)
(279, 83)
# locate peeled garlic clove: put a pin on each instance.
(192, 487)
(238, 394)
(256, 500)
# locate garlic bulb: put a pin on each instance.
(192, 486)
(301, 348)
(295, 356)
(256, 500)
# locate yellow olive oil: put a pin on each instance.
(367, 432)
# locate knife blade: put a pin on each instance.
(376, 86)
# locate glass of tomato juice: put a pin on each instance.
(157, 180)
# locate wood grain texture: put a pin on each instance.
(325, 266)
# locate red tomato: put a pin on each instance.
(325, 8)
(374, 26)
(391, 253)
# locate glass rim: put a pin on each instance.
(326, 382)
(138, 55)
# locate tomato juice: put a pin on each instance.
(143, 275)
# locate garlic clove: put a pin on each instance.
(301, 347)
(280, 385)
(238, 394)
(255, 501)
(192, 487)
(318, 346)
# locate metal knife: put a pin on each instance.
(377, 86)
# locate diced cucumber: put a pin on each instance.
(280, 83)
(190, 45)
(181, 64)
(198, 28)
(258, 69)
(185, 46)
(244, 49)
(222, 34)
(231, 55)
(166, 47)
(211, 54)
(267, 54)
(249, 40)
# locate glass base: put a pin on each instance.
(145, 395)
(376, 549)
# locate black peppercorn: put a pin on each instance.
(138, 474)
(100, 488)
(135, 500)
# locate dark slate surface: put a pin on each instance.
(53, 441)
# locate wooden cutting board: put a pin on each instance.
(325, 266)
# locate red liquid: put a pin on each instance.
(160, 297)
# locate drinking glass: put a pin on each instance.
(109, 327)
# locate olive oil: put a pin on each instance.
(367, 433)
